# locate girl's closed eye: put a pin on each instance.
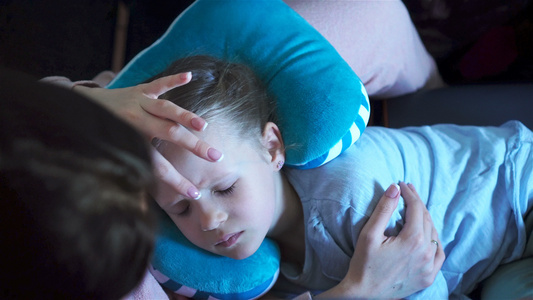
(183, 208)
(226, 192)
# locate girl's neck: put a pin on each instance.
(289, 229)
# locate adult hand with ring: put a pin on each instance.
(393, 266)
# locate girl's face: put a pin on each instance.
(240, 195)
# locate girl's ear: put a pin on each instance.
(273, 142)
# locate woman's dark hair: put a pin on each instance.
(77, 227)
(74, 183)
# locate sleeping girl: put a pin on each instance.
(475, 181)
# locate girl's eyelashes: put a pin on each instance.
(183, 209)
(227, 191)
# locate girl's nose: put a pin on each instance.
(211, 217)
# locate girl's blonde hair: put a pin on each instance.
(225, 93)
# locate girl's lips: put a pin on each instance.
(229, 240)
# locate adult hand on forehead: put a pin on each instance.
(393, 266)
(158, 118)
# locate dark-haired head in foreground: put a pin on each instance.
(74, 213)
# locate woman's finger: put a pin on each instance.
(377, 223)
(166, 172)
(430, 232)
(182, 137)
(414, 214)
(430, 243)
(440, 256)
(435, 262)
(158, 87)
(178, 135)
(165, 109)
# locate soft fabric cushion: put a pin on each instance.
(322, 107)
(208, 275)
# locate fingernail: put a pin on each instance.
(214, 154)
(193, 193)
(186, 76)
(198, 124)
(392, 191)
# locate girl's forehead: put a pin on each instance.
(238, 153)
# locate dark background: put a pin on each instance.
(473, 41)
(75, 38)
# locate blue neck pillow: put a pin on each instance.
(322, 107)
(182, 267)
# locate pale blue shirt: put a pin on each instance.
(476, 182)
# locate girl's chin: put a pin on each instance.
(240, 253)
(241, 256)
